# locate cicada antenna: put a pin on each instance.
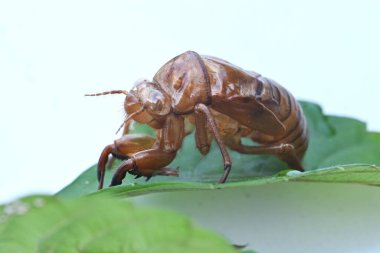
(129, 118)
(107, 93)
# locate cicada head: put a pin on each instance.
(147, 103)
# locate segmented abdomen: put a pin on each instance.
(288, 111)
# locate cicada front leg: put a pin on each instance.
(153, 161)
(112, 158)
(146, 163)
(122, 148)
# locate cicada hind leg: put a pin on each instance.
(284, 151)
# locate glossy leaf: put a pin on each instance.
(48, 224)
(334, 141)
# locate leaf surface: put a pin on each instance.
(48, 224)
(340, 150)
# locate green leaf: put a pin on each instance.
(334, 141)
(358, 174)
(48, 224)
(338, 140)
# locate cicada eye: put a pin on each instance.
(157, 103)
(152, 97)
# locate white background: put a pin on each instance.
(53, 52)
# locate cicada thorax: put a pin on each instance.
(186, 80)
